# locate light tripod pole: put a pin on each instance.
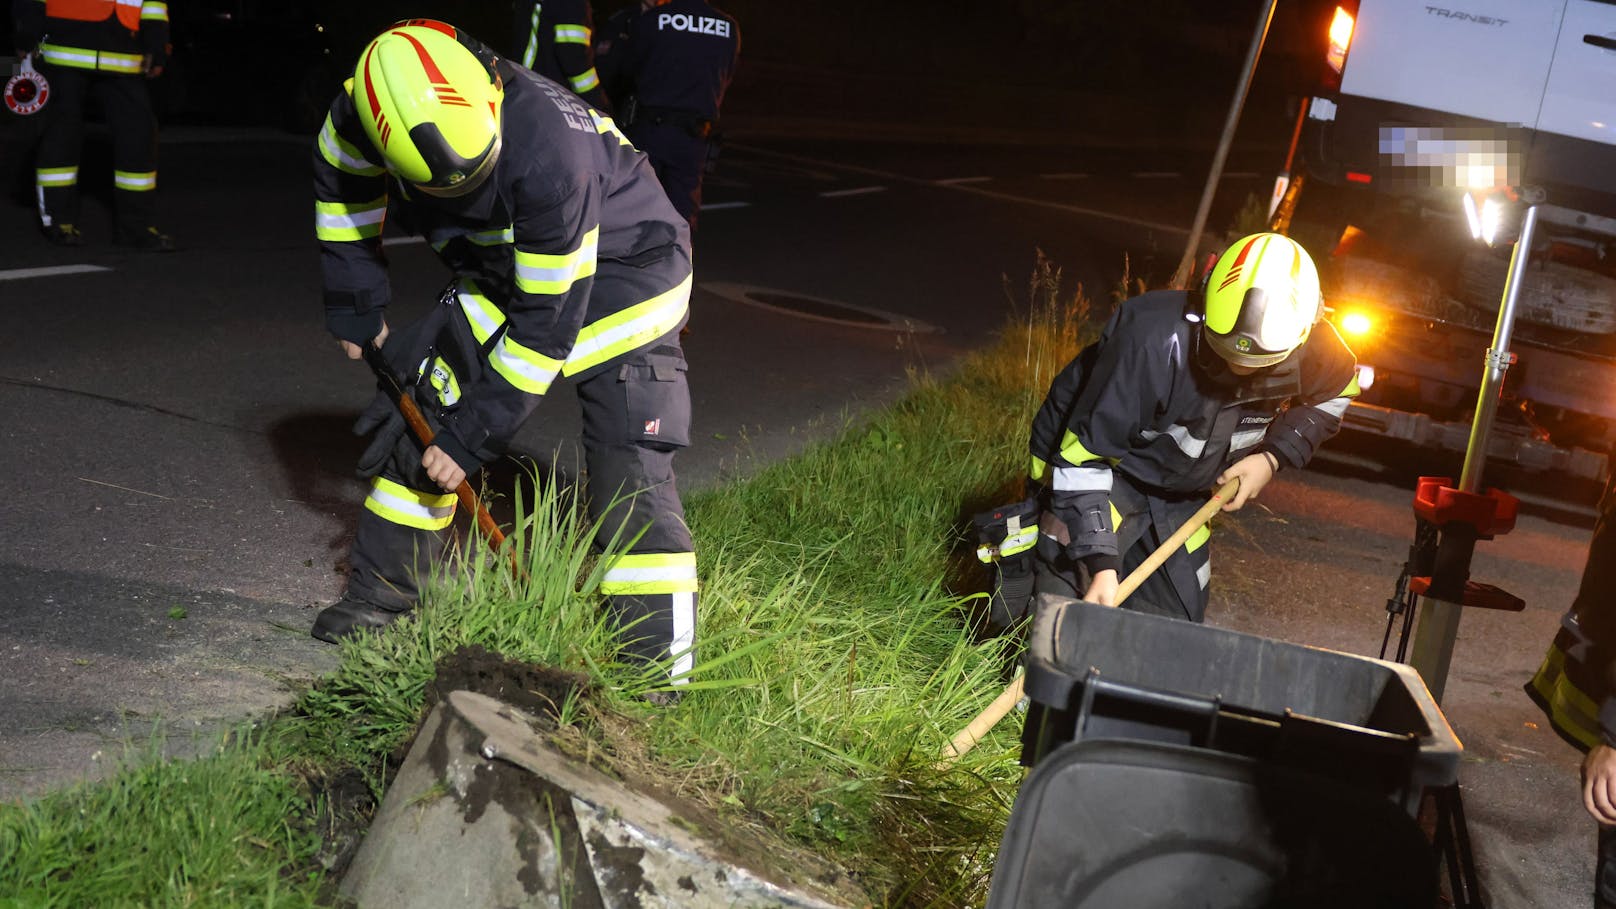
(1439, 619)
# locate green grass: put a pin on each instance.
(834, 662)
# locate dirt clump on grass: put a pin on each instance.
(539, 691)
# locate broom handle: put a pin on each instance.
(966, 738)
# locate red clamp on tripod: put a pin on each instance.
(1448, 523)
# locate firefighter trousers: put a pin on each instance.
(125, 102)
(1143, 521)
(636, 417)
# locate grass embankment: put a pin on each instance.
(835, 660)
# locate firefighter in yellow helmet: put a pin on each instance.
(1183, 391)
(570, 265)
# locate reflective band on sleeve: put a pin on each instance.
(523, 367)
(1335, 407)
(484, 316)
(343, 155)
(153, 11)
(1074, 452)
(119, 63)
(133, 182)
(492, 237)
(1198, 538)
(1039, 469)
(640, 573)
(1247, 439)
(537, 273)
(1352, 390)
(1180, 434)
(571, 34)
(403, 505)
(339, 221)
(585, 80)
(56, 176)
(1083, 479)
(621, 332)
(683, 648)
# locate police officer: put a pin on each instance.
(107, 49)
(1183, 391)
(555, 39)
(568, 262)
(668, 70)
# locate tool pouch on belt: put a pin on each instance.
(1006, 537)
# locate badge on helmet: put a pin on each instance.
(1261, 300)
(429, 97)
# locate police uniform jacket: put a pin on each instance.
(568, 197)
(1147, 404)
(679, 57)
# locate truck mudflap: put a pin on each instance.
(1505, 443)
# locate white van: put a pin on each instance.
(1432, 127)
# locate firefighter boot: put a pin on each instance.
(347, 617)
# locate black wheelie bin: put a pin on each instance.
(1176, 764)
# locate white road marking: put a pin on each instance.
(20, 274)
(860, 191)
(991, 194)
(1064, 176)
(957, 181)
(717, 206)
(402, 241)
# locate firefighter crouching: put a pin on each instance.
(1183, 391)
(569, 263)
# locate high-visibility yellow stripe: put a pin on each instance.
(571, 34)
(1198, 538)
(1352, 390)
(344, 155)
(522, 366)
(605, 124)
(1573, 712)
(538, 273)
(641, 573)
(56, 176)
(621, 332)
(340, 221)
(585, 80)
(89, 58)
(484, 317)
(134, 182)
(1073, 452)
(1039, 469)
(154, 11)
(411, 508)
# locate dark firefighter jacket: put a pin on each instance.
(1576, 685)
(674, 59)
(554, 39)
(568, 193)
(94, 34)
(1138, 403)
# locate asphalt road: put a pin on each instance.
(180, 494)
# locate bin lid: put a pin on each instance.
(1105, 823)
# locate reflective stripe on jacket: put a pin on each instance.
(569, 198)
(1137, 402)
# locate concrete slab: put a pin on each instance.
(484, 812)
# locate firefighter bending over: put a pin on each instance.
(1183, 391)
(569, 263)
